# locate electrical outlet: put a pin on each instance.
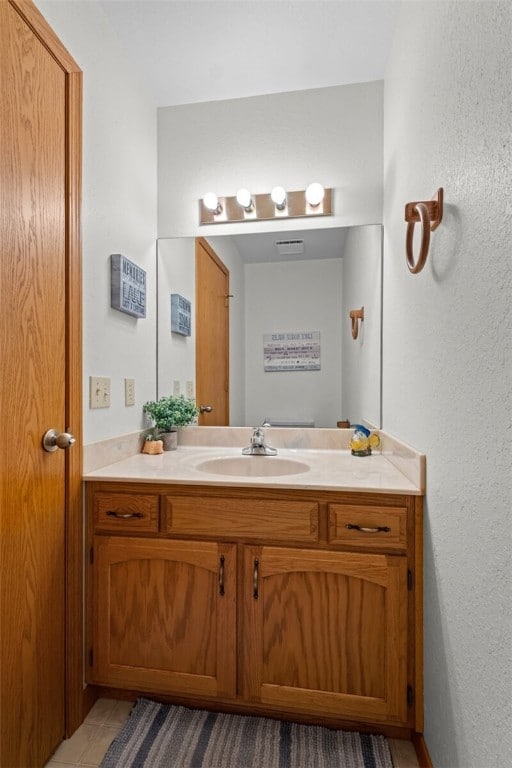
(176, 388)
(189, 388)
(99, 392)
(129, 391)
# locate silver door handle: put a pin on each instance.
(205, 409)
(54, 439)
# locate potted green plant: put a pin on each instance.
(168, 413)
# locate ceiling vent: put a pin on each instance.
(289, 247)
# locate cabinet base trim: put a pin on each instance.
(422, 753)
(253, 708)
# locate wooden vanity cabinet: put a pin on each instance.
(162, 620)
(299, 602)
(326, 632)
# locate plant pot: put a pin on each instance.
(153, 447)
(170, 440)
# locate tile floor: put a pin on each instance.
(88, 745)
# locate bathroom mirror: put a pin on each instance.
(293, 360)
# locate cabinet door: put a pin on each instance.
(164, 615)
(326, 632)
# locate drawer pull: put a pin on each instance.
(380, 529)
(221, 575)
(255, 579)
(123, 515)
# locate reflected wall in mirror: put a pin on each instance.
(309, 283)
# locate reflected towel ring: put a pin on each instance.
(357, 316)
(430, 214)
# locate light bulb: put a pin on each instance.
(211, 201)
(314, 194)
(278, 196)
(244, 199)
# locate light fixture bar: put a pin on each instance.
(264, 209)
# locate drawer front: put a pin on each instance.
(368, 527)
(243, 518)
(131, 512)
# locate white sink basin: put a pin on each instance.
(253, 466)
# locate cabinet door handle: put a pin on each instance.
(221, 575)
(255, 593)
(379, 529)
(123, 515)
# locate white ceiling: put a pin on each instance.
(317, 244)
(189, 51)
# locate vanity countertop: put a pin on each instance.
(326, 470)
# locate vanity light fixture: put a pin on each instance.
(244, 199)
(278, 204)
(211, 202)
(278, 197)
(315, 194)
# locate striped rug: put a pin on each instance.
(166, 736)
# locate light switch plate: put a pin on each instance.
(189, 388)
(99, 392)
(176, 388)
(129, 391)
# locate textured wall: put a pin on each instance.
(447, 355)
(118, 212)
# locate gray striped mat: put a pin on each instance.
(166, 736)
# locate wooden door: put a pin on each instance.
(212, 336)
(164, 616)
(39, 386)
(326, 632)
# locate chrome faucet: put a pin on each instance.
(258, 446)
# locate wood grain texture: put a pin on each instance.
(126, 512)
(328, 632)
(160, 617)
(416, 609)
(394, 518)
(331, 634)
(254, 518)
(41, 509)
(74, 529)
(420, 745)
(212, 335)
(32, 395)
(76, 707)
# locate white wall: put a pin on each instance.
(331, 135)
(362, 287)
(293, 296)
(176, 353)
(447, 356)
(118, 212)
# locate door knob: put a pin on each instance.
(205, 409)
(54, 439)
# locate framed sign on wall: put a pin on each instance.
(291, 351)
(127, 286)
(181, 311)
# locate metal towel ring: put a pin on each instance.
(430, 214)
